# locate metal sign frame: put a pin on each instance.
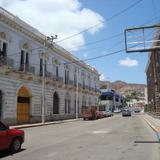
(143, 48)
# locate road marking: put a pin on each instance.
(154, 128)
(52, 154)
(100, 132)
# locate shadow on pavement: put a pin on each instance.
(146, 141)
(8, 153)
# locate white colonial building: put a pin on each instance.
(21, 67)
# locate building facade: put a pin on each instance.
(68, 81)
(153, 79)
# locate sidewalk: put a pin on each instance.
(41, 124)
(154, 123)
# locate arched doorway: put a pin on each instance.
(0, 104)
(55, 103)
(23, 105)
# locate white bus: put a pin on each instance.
(110, 101)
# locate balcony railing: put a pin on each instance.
(6, 61)
(55, 78)
(79, 85)
(70, 82)
(31, 69)
(86, 87)
(27, 68)
(49, 74)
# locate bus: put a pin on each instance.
(110, 101)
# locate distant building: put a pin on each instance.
(110, 100)
(153, 79)
(21, 48)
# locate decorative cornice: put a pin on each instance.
(22, 27)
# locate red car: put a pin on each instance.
(99, 114)
(10, 138)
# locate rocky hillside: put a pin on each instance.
(123, 87)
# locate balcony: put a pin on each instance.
(49, 75)
(57, 80)
(79, 85)
(7, 66)
(87, 87)
(5, 61)
(69, 84)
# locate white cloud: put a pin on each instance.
(103, 77)
(61, 17)
(128, 62)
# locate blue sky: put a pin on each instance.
(68, 17)
(144, 12)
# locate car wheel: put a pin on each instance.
(16, 145)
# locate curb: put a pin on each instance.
(155, 129)
(41, 124)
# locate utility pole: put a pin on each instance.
(44, 58)
(77, 96)
(43, 87)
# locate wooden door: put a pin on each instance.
(23, 106)
(23, 110)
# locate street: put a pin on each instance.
(114, 138)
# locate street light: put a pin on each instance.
(44, 57)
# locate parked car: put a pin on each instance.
(137, 110)
(109, 113)
(117, 110)
(126, 112)
(104, 113)
(99, 114)
(11, 139)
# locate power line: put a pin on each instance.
(93, 58)
(108, 19)
(16, 53)
(94, 42)
(88, 43)
(108, 38)
(111, 37)
(88, 59)
(97, 57)
(98, 41)
(96, 48)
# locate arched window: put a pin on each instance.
(55, 103)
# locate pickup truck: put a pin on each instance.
(11, 139)
(89, 113)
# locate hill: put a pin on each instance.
(123, 87)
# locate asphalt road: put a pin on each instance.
(115, 138)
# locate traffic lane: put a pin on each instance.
(111, 138)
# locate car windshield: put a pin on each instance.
(2, 127)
